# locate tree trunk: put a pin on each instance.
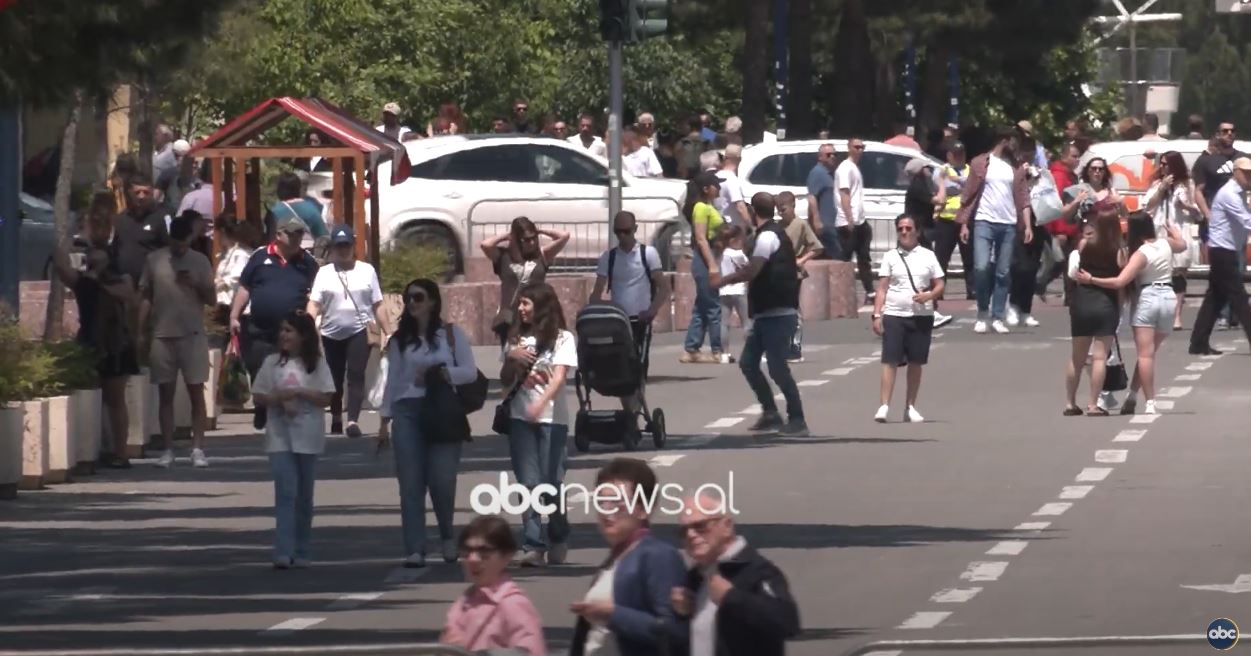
(799, 106)
(854, 73)
(54, 327)
(144, 157)
(935, 101)
(755, 70)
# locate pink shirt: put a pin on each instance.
(499, 617)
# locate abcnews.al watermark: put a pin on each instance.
(607, 498)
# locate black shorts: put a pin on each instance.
(906, 340)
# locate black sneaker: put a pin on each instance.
(336, 427)
(353, 431)
(259, 418)
(1204, 350)
(794, 428)
(769, 422)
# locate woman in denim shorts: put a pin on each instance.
(1150, 270)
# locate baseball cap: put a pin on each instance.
(342, 235)
(181, 147)
(291, 224)
(391, 108)
(706, 179)
(1243, 164)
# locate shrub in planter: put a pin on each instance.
(404, 262)
(25, 369)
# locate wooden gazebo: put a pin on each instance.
(353, 147)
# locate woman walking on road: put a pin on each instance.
(540, 358)
(909, 280)
(706, 221)
(421, 343)
(1095, 311)
(346, 295)
(519, 260)
(294, 387)
(1150, 269)
(1172, 202)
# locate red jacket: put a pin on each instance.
(1064, 179)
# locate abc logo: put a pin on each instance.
(1223, 634)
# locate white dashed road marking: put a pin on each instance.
(1054, 509)
(354, 600)
(1174, 392)
(1143, 419)
(985, 571)
(1093, 474)
(1008, 548)
(665, 460)
(294, 624)
(1130, 435)
(1111, 456)
(1075, 491)
(926, 620)
(753, 409)
(811, 383)
(841, 371)
(1165, 404)
(1187, 378)
(725, 422)
(1199, 366)
(1032, 526)
(955, 595)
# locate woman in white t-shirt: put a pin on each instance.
(346, 295)
(1171, 200)
(733, 297)
(540, 357)
(909, 280)
(294, 387)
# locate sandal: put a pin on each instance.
(1097, 412)
(1073, 411)
(1130, 406)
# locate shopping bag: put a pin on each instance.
(1045, 200)
(234, 388)
(379, 386)
(1116, 379)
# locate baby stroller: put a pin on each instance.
(610, 363)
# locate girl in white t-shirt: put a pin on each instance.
(294, 386)
(733, 297)
(540, 357)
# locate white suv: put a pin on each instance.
(463, 189)
(784, 166)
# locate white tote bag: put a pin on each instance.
(378, 382)
(1045, 199)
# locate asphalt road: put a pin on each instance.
(996, 520)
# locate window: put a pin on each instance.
(884, 171)
(880, 170)
(562, 166)
(507, 163)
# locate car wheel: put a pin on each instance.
(441, 238)
(670, 244)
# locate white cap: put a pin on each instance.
(181, 147)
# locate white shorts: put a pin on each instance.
(188, 355)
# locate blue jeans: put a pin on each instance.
(772, 336)
(992, 285)
(422, 464)
(706, 315)
(294, 475)
(538, 454)
(830, 243)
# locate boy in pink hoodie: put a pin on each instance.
(493, 613)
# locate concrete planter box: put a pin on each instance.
(62, 447)
(140, 407)
(12, 432)
(34, 444)
(88, 426)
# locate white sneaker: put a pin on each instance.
(913, 416)
(1030, 321)
(557, 553)
(532, 558)
(1014, 317)
(198, 458)
(998, 327)
(1107, 401)
(166, 460)
(980, 327)
(941, 319)
(881, 415)
(1149, 408)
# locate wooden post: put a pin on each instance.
(375, 230)
(358, 206)
(241, 187)
(229, 198)
(255, 193)
(218, 177)
(337, 197)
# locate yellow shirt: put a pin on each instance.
(708, 217)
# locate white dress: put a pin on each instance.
(1180, 208)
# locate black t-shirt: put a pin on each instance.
(134, 238)
(919, 201)
(1213, 170)
(277, 288)
(102, 320)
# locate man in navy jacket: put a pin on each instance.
(738, 601)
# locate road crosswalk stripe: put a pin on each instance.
(294, 624)
(925, 620)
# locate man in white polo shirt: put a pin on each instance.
(635, 281)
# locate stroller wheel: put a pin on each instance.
(658, 428)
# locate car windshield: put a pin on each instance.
(882, 171)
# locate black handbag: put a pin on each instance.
(503, 412)
(1116, 379)
(441, 418)
(473, 395)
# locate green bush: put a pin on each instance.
(404, 262)
(74, 368)
(25, 367)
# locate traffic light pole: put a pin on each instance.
(615, 110)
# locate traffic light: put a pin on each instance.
(647, 19)
(612, 19)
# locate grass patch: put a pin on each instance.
(404, 262)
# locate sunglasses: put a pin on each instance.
(1226, 130)
(417, 297)
(904, 230)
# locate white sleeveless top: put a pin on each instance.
(1159, 267)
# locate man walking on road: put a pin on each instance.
(176, 286)
(731, 204)
(773, 302)
(854, 232)
(822, 210)
(1227, 237)
(738, 601)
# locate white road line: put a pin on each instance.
(1032, 526)
(985, 571)
(1093, 474)
(841, 371)
(1075, 491)
(1143, 419)
(753, 409)
(1188, 378)
(725, 422)
(1053, 509)
(1210, 357)
(666, 460)
(876, 354)
(925, 620)
(1008, 548)
(893, 652)
(955, 595)
(407, 574)
(1111, 456)
(1165, 404)
(811, 383)
(294, 624)
(1130, 435)
(1174, 392)
(1199, 366)
(353, 600)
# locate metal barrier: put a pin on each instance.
(406, 649)
(588, 239)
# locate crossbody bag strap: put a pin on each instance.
(343, 281)
(909, 270)
(450, 328)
